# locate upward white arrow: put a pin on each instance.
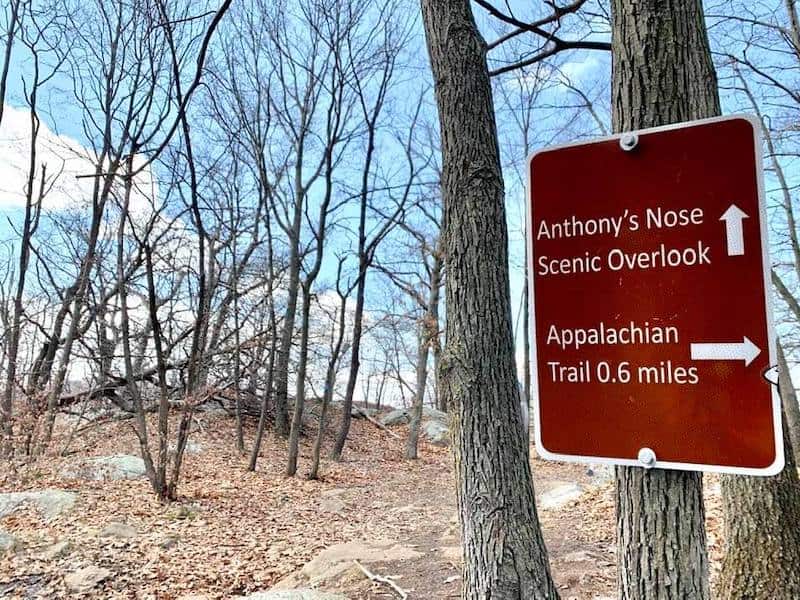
(746, 351)
(733, 229)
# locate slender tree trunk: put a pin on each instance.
(30, 221)
(262, 419)
(662, 73)
(237, 373)
(10, 35)
(791, 410)
(428, 333)
(355, 362)
(330, 382)
(435, 342)
(412, 441)
(300, 393)
(762, 528)
(133, 389)
(526, 345)
(504, 553)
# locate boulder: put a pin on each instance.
(358, 412)
(83, 580)
(57, 550)
(332, 504)
(8, 543)
(429, 412)
(401, 416)
(436, 432)
(119, 530)
(50, 503)
(335, 563)
(398, 416)
(120, 466)
(560, 495)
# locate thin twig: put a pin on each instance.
(386, 580)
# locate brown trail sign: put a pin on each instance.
(651, 306)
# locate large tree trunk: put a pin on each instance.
(662, 73)
(504, 554)
(762, 527)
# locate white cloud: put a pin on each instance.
(62, 158)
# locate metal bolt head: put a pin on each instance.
(628, 141)
(647, 457)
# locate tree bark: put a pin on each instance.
(662, 73)
(791, 410)
(762, 537)
(504, 553)
(412, 441)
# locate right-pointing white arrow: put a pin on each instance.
(746, 351)
(733, 229)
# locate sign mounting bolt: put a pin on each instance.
(647, 457)
(628, 141)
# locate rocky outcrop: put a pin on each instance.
(336, 563)
(50, 503)
(119, 531)
(437, 433)
(434, 423)
(120, 466)
(84, 580)
(8, 543)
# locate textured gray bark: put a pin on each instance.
(662, 73)
(504, 554)
(791, 410)
(762, 538)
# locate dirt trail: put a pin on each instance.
(234, 532)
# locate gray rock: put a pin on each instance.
(560, 495)
(300, 594)
(214, 409)
(431, 413)
(358, 412)
(83, 580)
(401, 416)
(334, 560)
(119, 530)
(436, 432)
(121, 466)
(50, 503)
(332, 504)
(169, 542)
(57, 550)
(396, 417)
(8, 543)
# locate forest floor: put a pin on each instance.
(233, 532)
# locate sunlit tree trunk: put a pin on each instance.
(504, 554)
(662, 73)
